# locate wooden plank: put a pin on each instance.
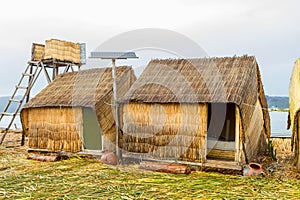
(165, 167)
(220, 164)
(43, 158)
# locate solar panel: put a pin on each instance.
(113, 55)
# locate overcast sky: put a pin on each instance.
(267, 29)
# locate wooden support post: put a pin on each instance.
(67, 68)
(298, 146)
(56, 71)
(204, 108)
(53, 72)
(27, 99)
(237, 134)
(46, 73)
(29, 80)
(23, 138)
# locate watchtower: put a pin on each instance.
(56, 56)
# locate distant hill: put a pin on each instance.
(273, 101)
(278, 102)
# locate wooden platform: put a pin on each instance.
(50, 63)
(220, 164)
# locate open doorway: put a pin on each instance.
(221, 131)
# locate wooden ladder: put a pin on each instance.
(25, 87)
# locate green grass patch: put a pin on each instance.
(78, 178)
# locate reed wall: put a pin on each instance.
(297, 152)
(165, 131)
(105, 115)
(37, 52)
(255, 138)
(54, 129)
(294, 94)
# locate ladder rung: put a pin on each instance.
(15, 100)
(21, 87)
(33, 62)
(25, 74)
(9, 114)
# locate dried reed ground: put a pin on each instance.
(79, 178)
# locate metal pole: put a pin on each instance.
(116, 106)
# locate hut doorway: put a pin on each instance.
(221, 131)
(92, 135)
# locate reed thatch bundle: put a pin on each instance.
(52, 117)
(282, 145)
(294, 115)
(37, 52)
(62, 50)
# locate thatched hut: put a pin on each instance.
(74, 112)
(209, 112)
(294, 115)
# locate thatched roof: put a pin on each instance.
(230, 79)
(84, 88)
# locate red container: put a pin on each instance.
(253, 169)
(108, 158)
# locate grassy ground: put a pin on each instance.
(79, 178)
